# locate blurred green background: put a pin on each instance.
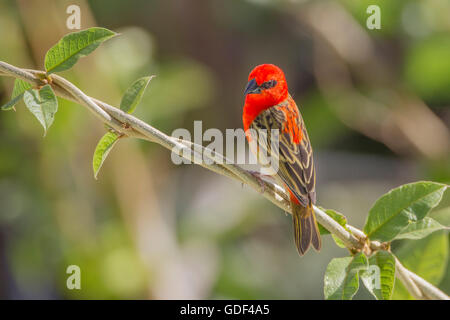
(376, 104)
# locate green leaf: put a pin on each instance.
(339, 218)
(102, 150)
(427, 257)
(420, 229)
(379, 278)
(338, 241)
(442, 216)
(341, 280)
(401, 206)
(336, 216)
(42, 104)
(11, 103)
(19, 89)
(73, 46)
(133, 94)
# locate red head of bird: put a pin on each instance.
(266, 87)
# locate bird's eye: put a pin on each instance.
(268, 84)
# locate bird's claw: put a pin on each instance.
(260, 180)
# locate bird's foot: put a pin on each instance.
(260, 178)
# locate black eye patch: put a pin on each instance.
(268, 84)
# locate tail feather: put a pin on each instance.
(306, 230)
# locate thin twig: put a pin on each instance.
(131, 126)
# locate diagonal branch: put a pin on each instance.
(130, 126)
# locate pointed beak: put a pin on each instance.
(252, 87)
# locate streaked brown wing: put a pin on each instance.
(296, 165)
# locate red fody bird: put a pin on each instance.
(268, 105)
